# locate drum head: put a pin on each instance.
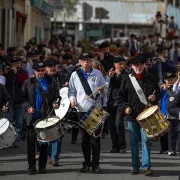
(4, 124)
(64, 104)
(45, 123)
(146, 113)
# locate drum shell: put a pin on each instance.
(93, 119)
(154, 125)
(8, 137)
(50, 133)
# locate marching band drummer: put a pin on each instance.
(82, 83)
(62, 80)
(39, 96)
(136, 91)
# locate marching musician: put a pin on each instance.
(61, 80)
(166, 93)
(136, 92)
(39, 95)
(82, 83)
(116, 119)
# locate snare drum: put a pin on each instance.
(7, 133)
(48, 130)
(93, 120)
(153, 122)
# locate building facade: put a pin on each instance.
(104, 19)
(21, 20)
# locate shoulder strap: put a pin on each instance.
(138, 90)
(84, 83)
(41, 90)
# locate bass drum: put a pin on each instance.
(67, 115)
(7, 133)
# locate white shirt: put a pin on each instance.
(77, 92)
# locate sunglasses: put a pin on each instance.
(40, 70)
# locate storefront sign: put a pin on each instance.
(42, 5)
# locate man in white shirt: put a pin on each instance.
(78, 94)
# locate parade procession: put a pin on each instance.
(90, 105)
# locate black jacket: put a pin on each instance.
(174, 105)
(28, 96)
(14, 84)
(4, 96)
(127, 96)
(115, 83)
(61, 78)
(107, 62)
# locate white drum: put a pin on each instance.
(65, 103)
(48, 129)
(7, 133)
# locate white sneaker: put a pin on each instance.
(172, 153)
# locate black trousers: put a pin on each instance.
(174, 135)
(116, 127)
(31, 150)
(74, 133)
(164, 142)
(90, 145)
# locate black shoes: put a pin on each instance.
(148, 172)
(135, 171)
(42, 171)
(96, 170)
(114, 150)
(85, 168)
(163, 151)
(31, 171)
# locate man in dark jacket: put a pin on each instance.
(163, 65)
(128, 102)
(116, 119)
(38, 103)
(14, 81)
(61, 80)
(4, 100)
(105, 57)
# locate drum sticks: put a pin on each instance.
(95, 92)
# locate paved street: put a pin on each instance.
(13, 165)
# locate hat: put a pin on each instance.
(50, 62)
(35, 52)
(104, 45)
(86, 56)
(118, 59)
(160, 49)
(15, 59)
(38, 65)
(67, 56)
(169, 75)
(147, 55)
(137, 59)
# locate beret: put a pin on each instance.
(104, 45)
(38, 65)
(118, 59)
(50, 62)
(86, 56)
(15, 59)
(168, 75)
(137, 59)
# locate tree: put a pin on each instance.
(69, 8)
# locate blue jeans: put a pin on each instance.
(16, 113)
(136, 134)
(55, 149)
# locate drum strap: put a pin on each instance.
(84, 83)
(138, 90)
